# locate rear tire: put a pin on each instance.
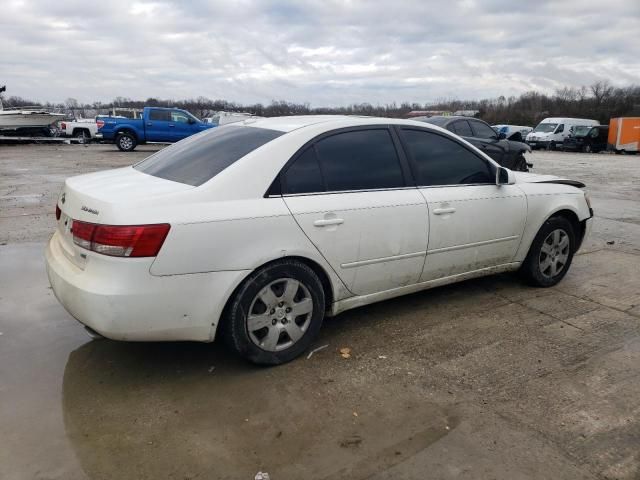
(82, 136)
(275, 314)
(126, 142)
(551, 253)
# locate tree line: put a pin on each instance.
(600, 101)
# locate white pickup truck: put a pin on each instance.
(83, 129)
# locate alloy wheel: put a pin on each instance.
(554, 253)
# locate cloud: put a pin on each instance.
(322, 52)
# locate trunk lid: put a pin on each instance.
(106, 198)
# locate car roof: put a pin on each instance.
(442, 120)
(291, 123)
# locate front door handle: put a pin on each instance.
(328, 221)
(444, 211)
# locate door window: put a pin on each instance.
(359, 160)
(159, 115)
(560, 128)
(442, 161)
(482, 130)
(303, 175)
(462, 128)
(179, 117)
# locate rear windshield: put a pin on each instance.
(201, 157)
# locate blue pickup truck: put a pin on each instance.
(166, 125)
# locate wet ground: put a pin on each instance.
(483, 379)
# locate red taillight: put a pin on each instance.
(58, 212)
(120, 240)
(100, 124)
(63, 125)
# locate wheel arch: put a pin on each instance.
(579, 227)
(319, 270)
(127, 130)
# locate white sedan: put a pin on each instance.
(261, 228)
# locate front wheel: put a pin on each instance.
(276, 313)
(520, 164)
(550, 254)
(587, 149)
(126, 142)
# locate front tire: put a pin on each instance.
(126, 142)
(521, 164)
(550, 254)
(276, 313)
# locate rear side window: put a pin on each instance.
(201, 157)
(303, 175)
(442, 161)
(359, 160)
(159, 115)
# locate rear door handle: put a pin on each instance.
(443, 211)
(328, 221)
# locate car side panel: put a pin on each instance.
(256, 231)
(543, 201)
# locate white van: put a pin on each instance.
(551, 132)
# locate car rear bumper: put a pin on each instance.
(119, 299)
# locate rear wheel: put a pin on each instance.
(275, 314)
(550, 254)
(126, 142)
(82, 136)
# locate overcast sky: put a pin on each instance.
(323, 52)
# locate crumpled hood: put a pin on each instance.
(526, 177)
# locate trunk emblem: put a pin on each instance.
(89, 210)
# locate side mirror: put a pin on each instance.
(502, 136)
(504, 176)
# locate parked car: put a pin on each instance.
(224, 118)
(166, 125)
(507, 153)
(624, 135)
(517, 133)
(84, 130)
(587, 139)
(256, 232)
(551, 132)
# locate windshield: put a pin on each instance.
(545, 127)
(201, 157)
(581, 131)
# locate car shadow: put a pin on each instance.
(185, 409)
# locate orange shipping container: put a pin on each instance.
(624, 134)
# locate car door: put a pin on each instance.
(486, 139)
(349, 193)
(157, 126)
(473, 223)
(180, 125)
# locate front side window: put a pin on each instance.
(560, 128)
(442, 161)
(482, 131)
(179, 117)
(159, 115)
(462, 128)
(201, 157)
(359, 160)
